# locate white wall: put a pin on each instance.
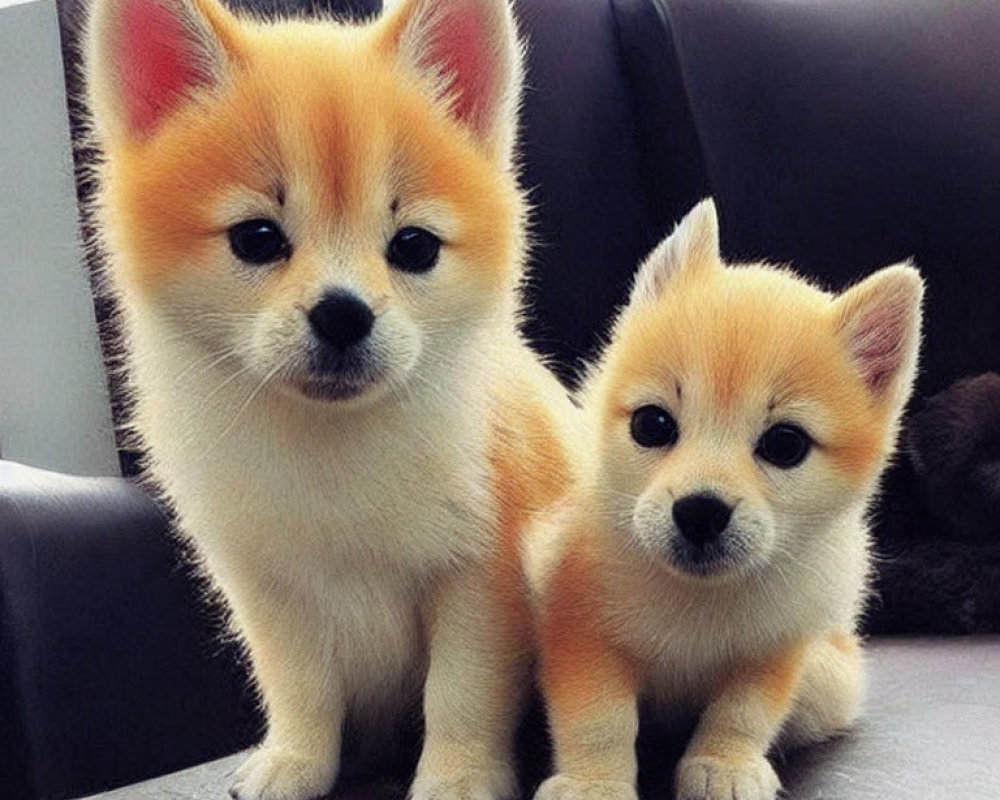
(54, 409)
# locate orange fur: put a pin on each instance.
(358, 503)
(580, 668)
(724, 571)
(776, 678)
(294, 120)
(711, 329)
(531, 470)
(590, 684)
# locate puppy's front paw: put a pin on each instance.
(566, 787)
(710, 778)
(496, 783)
(273, 773)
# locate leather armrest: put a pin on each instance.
(111, 667)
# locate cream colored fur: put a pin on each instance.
(310, 522)
(763, 649)
(350, 540)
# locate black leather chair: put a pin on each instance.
(841, 136)
(111, 667)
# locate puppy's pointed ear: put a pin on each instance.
(468, 53)
(693, 246)
(145, 58)
(878, 322)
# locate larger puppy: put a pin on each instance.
(315, 236)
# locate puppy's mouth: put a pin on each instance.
(728, 556)
(702, 538)
(338, 378)
(711, 560)
(331, 390)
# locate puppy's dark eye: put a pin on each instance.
(784, 445)
(259, 241)
(413, 250)
(652, 426)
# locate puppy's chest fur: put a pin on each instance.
(403, 482)
(685, 637)
(349, 519)
(684, 642)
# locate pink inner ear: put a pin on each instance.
(460, 48)
(877, 343)
(157, 62)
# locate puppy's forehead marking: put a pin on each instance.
(743, 347)
(336, 158)
(328, 113)
(757, 342)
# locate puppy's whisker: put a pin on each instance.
(245, 405)
(199, 363)
(205, 401)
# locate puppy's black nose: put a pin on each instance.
(341, 319)
(701, 517)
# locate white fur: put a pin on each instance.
(349, 538)
(324, 529)
(690, 632)
(759, 642)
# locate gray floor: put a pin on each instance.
(932, 732)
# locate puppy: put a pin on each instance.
(713, 558)
(314, 234)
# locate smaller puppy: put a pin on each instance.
(713, 558)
